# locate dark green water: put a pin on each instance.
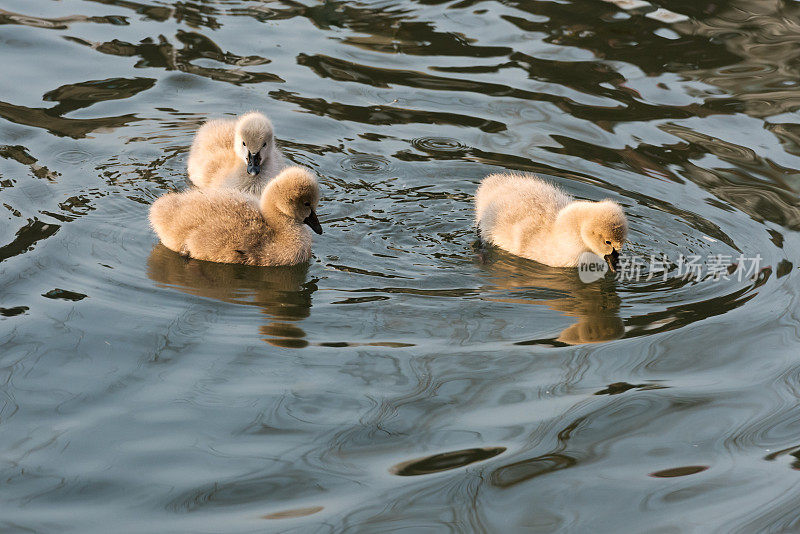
(407, 380)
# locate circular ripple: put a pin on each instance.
(445, 145)
(364, 163)
(74, 157)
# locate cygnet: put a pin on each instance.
(536, 220)
(229, 226)
(238, 154)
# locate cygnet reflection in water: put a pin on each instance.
(595, 305)
(282, 293)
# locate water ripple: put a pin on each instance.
(372, 389)
(438, 145)
(444, 461)
(365, 163)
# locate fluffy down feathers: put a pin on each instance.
(534, 219)
(228, 226)
(222, 149)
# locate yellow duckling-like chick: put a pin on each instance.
(531, 218)
(237, 154)
(229, 226)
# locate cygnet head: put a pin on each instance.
(604, 229)
(295, 194)
(254, 140)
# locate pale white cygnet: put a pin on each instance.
(229, 226)
(536, 220)
(237, 154)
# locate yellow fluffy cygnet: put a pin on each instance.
(534, 219)
(237, 154)
(228, 226)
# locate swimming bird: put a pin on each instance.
(536, 220)
(238, 154)
(229, 226)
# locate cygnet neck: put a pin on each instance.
(568, 243)
(572, 216)
(271, 212)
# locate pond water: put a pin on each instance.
(408, 378)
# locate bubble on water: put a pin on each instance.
(369, 163)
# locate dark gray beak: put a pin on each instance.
(612, 260)
(313, 222)
(253, 163)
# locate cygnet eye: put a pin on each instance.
(243, 144)
(307, 203)
(608, 242)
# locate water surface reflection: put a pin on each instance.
(136, 388)
(594, 306)
(283, 294)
